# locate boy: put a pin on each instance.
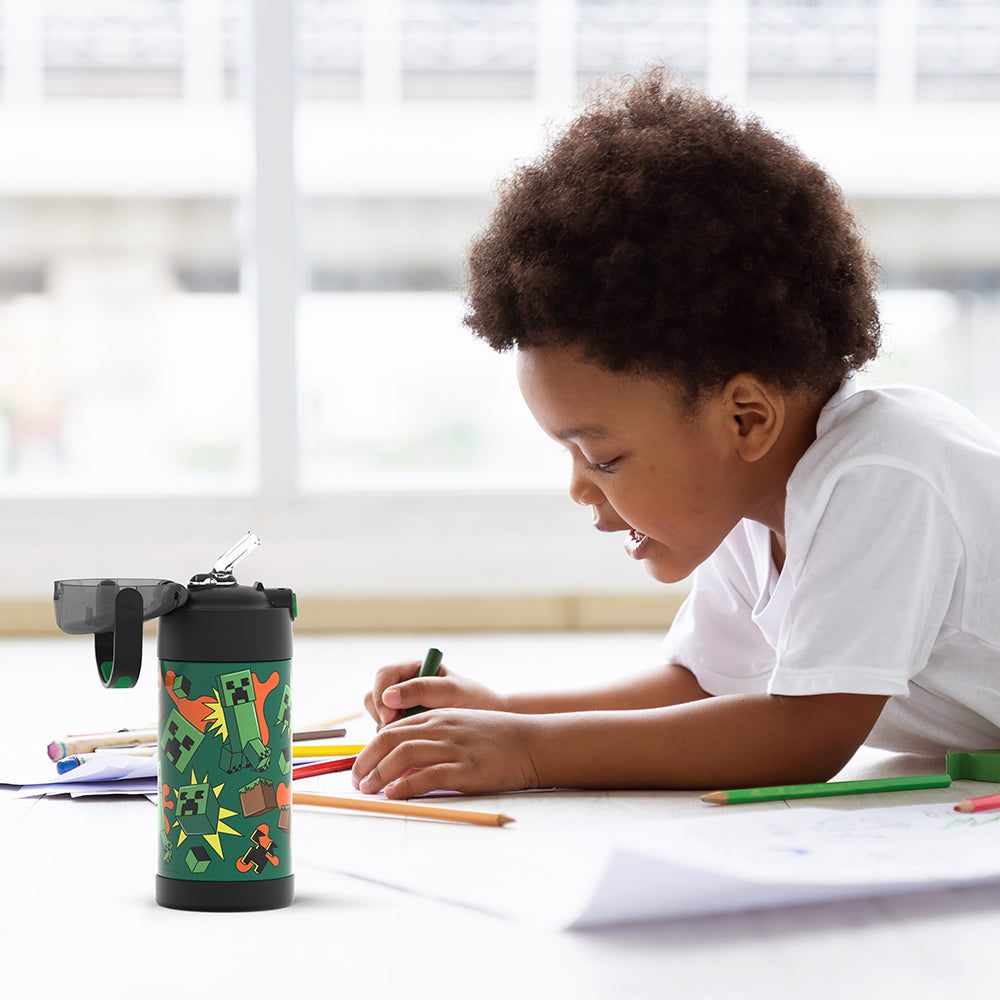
(688, 297)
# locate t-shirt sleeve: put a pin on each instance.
(874, 588)
(713, 634)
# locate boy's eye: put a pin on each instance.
(602, 466)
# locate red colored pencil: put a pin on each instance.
(978, 805)
(324, 767)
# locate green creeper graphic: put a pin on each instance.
(180, 740)
(243, 746)
(285, 708)
(197, 809)
(168, 848)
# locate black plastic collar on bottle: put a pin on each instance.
(236, 624)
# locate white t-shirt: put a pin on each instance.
(891, 581)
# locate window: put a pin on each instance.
(128, 343)
(232, 249)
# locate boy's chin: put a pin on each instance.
(664, 573)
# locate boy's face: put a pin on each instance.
(642, 461)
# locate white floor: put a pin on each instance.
(77, 875)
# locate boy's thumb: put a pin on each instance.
(392, 697)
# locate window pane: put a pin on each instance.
(395, 392)
(128, 348)
(944, 340)
(411, 109)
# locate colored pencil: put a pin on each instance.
(330, 750)
(979, 804)
(323, 767)
(395, 808)
(741, 795)
(88, 744)
(319, 734)
(80, 743)
(68, 764)
(429, 668)
(124, 729)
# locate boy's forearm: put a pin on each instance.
(668, 685)
(725, 742)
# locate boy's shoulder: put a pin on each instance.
(905, 423)
(905, 433)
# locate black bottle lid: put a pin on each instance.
(229, 624)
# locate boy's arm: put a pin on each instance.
(730, 741)
(670, 684)
(397, 688)
(723, 742)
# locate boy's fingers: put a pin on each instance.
(372, 760)
(392, 698)
(395, 764)
(388, 679)
(397, 672)
(377, 711)
(437, 777)
(431, 692)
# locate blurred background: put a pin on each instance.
(231, 245)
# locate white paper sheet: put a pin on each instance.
(104, 774)
(716, 862)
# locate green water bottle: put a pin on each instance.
(224, 729)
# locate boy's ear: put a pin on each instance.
(756, 415)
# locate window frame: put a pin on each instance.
(345, 544)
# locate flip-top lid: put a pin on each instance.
(85, 607)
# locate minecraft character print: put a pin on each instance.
(260, 853)
(180, 740)
(243, 746)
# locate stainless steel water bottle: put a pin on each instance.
(224, 729)
(225, 738)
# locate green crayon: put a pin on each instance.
(429, 668)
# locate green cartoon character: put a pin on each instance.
(243, 746)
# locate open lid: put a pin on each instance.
(113, 610)
(84, 607)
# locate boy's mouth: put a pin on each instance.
(635, 543)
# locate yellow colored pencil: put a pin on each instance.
(331, 750)
(396, 808)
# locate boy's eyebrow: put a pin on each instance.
(590, 431)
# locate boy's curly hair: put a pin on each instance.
(661, 234)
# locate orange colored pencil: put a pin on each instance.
(395, 808)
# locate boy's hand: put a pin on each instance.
(398, 688)
(456, 750)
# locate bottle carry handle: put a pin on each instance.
(119, 652)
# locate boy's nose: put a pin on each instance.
(582, 489)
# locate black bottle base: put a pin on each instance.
(222, 897)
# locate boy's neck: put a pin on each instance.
(797, 434)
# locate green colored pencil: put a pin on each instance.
(828, 788)
(429, 668)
